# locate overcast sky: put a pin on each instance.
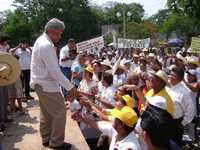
(150, 6)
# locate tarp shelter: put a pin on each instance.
(176, 42)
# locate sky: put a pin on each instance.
(150, 6)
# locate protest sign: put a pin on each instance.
(133, 43)
(92, 45)
(195, 44)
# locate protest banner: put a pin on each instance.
(92, 45)
(133, 43)
(195, 44)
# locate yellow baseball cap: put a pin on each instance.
(129, 100)
(127, 115)
(89, 69)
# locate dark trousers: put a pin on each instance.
(3, 104)
(179, 131)
(25, 81)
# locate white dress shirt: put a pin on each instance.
(64, 52)
(45, 70)
(130, 142)
(108, 94)
(24, 58)
(183, 104)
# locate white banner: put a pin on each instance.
(130, 43)
(92, 45)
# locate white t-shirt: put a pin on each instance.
(128, 143)
(24, 58)
(64, 52)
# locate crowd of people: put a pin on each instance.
(20, 90)
(132, 99)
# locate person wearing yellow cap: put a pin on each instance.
(87, 83)
(120, 132)
(105, 114)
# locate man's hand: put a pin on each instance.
(73, 94)
(77, 116)
(85, 102)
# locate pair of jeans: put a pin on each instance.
(67, 73)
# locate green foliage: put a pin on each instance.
(17, 27)
(189, 7)
(160, 17)
(108, 12)
(136, 31)
(28, 20)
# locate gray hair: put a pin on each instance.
(54, 24)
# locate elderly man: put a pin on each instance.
(46, 77)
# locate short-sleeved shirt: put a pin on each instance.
(130, 142)
(64, 52)
(24, 58)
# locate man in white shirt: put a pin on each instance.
(46, 77)
(67, 57)
(183, 104)
(23, 52)
(121, 132)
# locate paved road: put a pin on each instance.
(23, 133)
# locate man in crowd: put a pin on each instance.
(46, 77)
(183, 104)
(23, 52)
(121, 132)
(67, 56)
(158, 126)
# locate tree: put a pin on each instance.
(182, 25)
(17, 27)
(108, 12)
(189, 7)
(136, 31)
(81, 23)
(159, 18)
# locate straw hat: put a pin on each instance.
(106, 63)
(9, 69)
(193, 60)
(89, 69)
(145, 50)
(141, 55)
(136, 56)
(152, 55)
(161, 75)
